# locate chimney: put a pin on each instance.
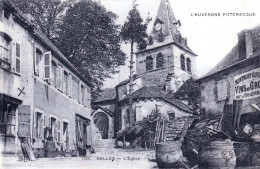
(245, 44)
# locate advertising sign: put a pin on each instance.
(247, 85)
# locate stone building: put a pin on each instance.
(41, 94)
(235, 80)
(161, 68)
(167, 56)
(103, 113)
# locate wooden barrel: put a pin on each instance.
(35, 152)
(41, 153)
(168, 154)
(217, 154)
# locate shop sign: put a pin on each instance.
(247, 85)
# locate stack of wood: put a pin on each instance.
(160, 131)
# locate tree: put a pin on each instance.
(134, 31)
(89, 38)
(47, 14)
(190, 92)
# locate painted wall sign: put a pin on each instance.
(247, 85)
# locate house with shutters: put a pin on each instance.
(235, 81)
(42, 95)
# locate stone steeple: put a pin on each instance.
(165, 29)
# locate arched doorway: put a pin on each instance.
(102, 123)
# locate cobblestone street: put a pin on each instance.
(104, 158)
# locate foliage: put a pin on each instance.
(134, 30)
(90, 39)
(47, 14)
(84, 31)
(190, 92)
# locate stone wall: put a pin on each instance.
(209, 100)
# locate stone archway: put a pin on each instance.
(101, 121)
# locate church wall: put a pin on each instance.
(140, 58)
(143, 108)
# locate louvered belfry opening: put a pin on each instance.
(188, 65)
(149, 63)
(182, 62)
(159, 61)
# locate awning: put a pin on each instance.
(10, 99)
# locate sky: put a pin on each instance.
(210, 37)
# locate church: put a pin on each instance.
(161, 68)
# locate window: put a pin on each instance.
(182, 62)
(171, 115)
(38, 125)
(38, 57)
(75, 88)
(47, 65)
(54, 74)
(17, 58)
(8, 119)
(160, 37)
(87, 96)
(188, 65)
(70, 85)
(82, 91)
(149, 63)
(66, 82)
(58, 131)
(159, 60)
(5, 49)
(60, 77)
(53, 128)
(158, 108)
(65, 136)
(222, 89)
(127, 116)
(150, 40)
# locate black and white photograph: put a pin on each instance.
(129, 84)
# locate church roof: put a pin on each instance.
(106, 94)
(157, 92)
(169, 29)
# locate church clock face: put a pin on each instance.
(158, 27)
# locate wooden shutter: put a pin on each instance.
(35, 130)
(47, 65)
(24, 120)
(58, 131)
(70, 85)
(17, 59)
(80, 94)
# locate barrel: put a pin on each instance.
(217, 154)
(168, 154)
(41, 153)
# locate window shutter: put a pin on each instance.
(35, 129)
(80, 94)
(24, 121)
(44, 125)
(47, 65)
(64, 82)
(70, 85)
(58, 131)
(41, 127)
(56, 77)
(34, 59)
(17, 58)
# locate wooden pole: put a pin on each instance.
(131, 84)
(124, 141)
